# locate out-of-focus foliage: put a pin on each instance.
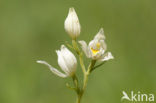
(31, 30)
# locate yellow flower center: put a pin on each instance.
(98, 45)
(94, 51)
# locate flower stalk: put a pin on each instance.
(85, 81)
(86, 73)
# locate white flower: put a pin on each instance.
(72, 25)
(97, 47)
(66, 61)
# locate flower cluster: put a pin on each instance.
(95, 50)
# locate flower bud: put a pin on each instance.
(72, 25)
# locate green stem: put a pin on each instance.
(80, 92)
(76, 48)
(85, 81)
(75, 81)
(86, 76)
(91, 66)
(78, 99)
(82, 63)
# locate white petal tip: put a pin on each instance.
(39, 61)
(81, 41)
(101, 30)
(71, 9)
(100, 35)
(107, 57)
(110, 56)
(62, 46)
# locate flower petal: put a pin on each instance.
(62, 63)
(69, 59)
(85, 48)
(93, 43)
(100, 35)
(103, 44)
(55, 71)
(107, 57)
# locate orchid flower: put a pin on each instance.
(66, 61)
(97, 48)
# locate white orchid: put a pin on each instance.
(97, 47)
(66, 61)
(72, 25)
(96, 50)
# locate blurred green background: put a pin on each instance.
(31, 30)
